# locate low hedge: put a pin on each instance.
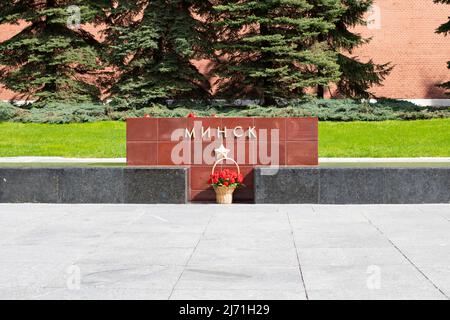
(325, 110)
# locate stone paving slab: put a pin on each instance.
(224, 252)
(240, 278)
(180, 294)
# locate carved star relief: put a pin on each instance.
(222, 152)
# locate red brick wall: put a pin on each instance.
(406, 38)
(6, 32)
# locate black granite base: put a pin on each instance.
(170, 185)
(353, 185)
(93, 185)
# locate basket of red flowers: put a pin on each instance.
(225, 182)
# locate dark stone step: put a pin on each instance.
(93, 185)
(353, 185)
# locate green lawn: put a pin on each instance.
(424, 138)
(84, 140)
(396, 139)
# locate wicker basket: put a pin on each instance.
(224, 195)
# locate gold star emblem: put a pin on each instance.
(222, 152)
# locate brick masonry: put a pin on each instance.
(151, 142)
(405, 37)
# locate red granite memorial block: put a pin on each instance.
(272, 123)
(171, 129)
(206, 195)
(190, 142)
(205, 122)
(199, 176)
(142, 153)
(143, 129)
(302, 129)
(302, 153)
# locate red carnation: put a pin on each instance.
(226, 178)
(191, 115)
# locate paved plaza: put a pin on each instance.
(224, 252)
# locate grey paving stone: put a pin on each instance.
(358, 277)
(106, 254)
(140, 251)
(332, 214)
(255, 223)
(391, 211)
(102, 294)
(329, 227)
(69, 235)
(342, 239)
(350, 257)
(298, 294)
(211, 253)
(270, 241)
(397, 293)
(39, 253)
(407, 238)
(401, 215)
(123, 275)
(439, 275)
(169, 222)
(258, 215)
(25, 292)
(392, 226)
(153, 239)
(240, 278)
(437, 256)
(141, 226)
(28, 274)
(440, 210)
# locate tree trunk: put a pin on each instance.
(320, 92)
(320, 88)
(266, 58)
(51, 69)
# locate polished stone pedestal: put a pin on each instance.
(352, 185)
(93, 185)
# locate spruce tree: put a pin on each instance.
(155, 52)
(273, 49)
(357, 76)
(50, 59)
(444, 29)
